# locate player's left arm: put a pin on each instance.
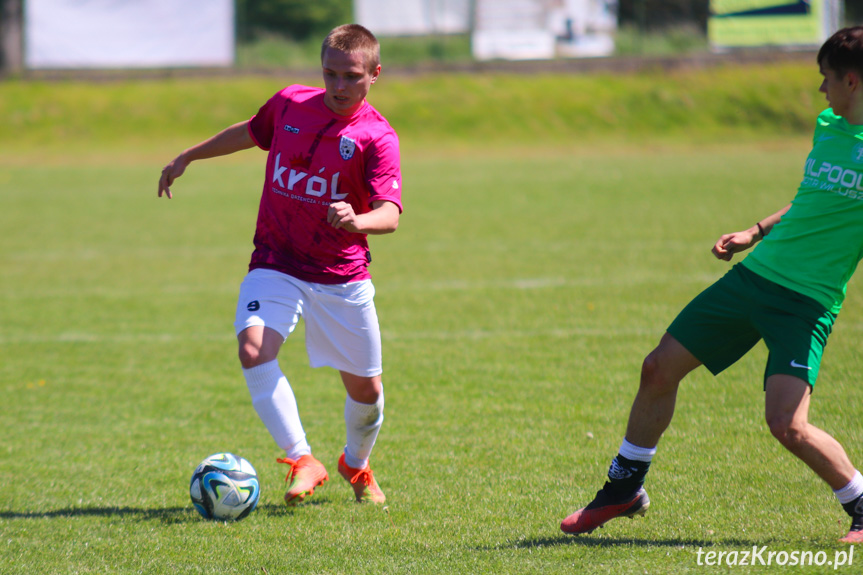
(382, 170)
(730, 244)
(383, 218)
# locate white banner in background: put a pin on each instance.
(413, 17)
(540, 29)
(128, 33)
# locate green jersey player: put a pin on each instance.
(788, 292)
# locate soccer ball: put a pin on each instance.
(225, 487)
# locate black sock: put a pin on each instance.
(625, 476)
(855, 510)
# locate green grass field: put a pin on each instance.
(525, 284)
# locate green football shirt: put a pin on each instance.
(817, 245)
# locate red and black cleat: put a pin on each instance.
(603, 509)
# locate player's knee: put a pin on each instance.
(251, 356)
(368, 393)
(652, 375)
(789, 433)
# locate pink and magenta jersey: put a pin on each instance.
(317, 157)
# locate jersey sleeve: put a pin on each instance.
(262, 125)
(383, 170)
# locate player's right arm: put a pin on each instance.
(730, 244)
(231, 139)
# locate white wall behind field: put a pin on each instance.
(414, 17)
(63, 34)
(501, 29)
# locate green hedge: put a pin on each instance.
(756, 100)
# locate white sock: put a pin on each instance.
(274, 401)
(635, 453)
(852, 491)
(363, 422)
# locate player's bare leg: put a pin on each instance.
(258, 345)
(661, 373)
(787, 412)
(623, 494)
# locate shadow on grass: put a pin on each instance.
(169, 515)
(593, 541)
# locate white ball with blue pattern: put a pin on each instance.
(225, 487)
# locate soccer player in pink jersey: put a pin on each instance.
(333, 176)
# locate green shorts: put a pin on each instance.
(727, 319)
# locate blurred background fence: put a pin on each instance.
(254, 34)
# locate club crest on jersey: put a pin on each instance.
(858, 153)
(347, 147)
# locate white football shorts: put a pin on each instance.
(342, 329)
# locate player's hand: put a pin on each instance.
(341, 216)
(730, 244)
(170, 173)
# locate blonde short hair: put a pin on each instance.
(352, 38)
